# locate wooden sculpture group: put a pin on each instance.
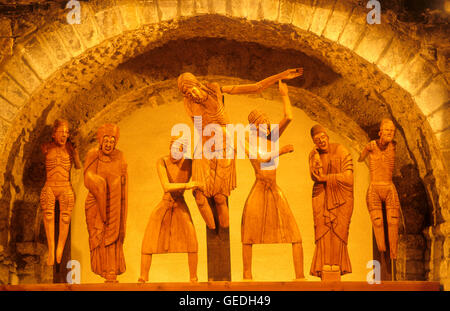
(267, 217)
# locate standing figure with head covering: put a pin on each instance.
(218, 175)
(331, 169)
(267, 217)
(381, 153)
(170, 228)
(60, 154)
(105, 176)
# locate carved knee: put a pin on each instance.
(378, 222)
(200, 198)
(220, 199)
(65, 217)
(393, 219)
(49, 214)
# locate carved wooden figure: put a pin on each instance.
(105, 176)
(60, 154)
(170, 228)
(267, 217)
(381, 153)
(332, 202)
(218, 175)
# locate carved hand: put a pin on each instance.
(292, 73)
(287, 149)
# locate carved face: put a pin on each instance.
(195, 93)
(321, 140)
(108, 144)
(176, 151)
(61, 135)
(387, 132)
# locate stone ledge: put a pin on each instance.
(234, 286)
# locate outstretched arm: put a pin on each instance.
(263, 84)
(287, 108)
(167, 185)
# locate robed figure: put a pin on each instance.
(105, 176)
(331, 170)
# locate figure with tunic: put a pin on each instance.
(60, 154)
(381, 153)
(105, 176)
(170, 228)
(267, 217)
(218, 175)
(332, 202)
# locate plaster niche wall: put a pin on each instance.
(354, 72)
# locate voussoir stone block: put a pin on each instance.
(71, 40)
(219, 7)
(148, 11)
(23, 74)
(11, 91)
(439, 120)
(286, 11)
(443, 139)
(87, 30)
(38, 58)
(187, 8)
(54, 42)
(375, 40)
(202, 6)
(354, 29)
(270, 9)
(7, 111)
(239, 8)
(433, 96)
(322, 12)
(415, 74)
(130, 15)
(167, 9)
(4, 127)
(303, 12)
(398, 54)
(338, 20)
(109, 22)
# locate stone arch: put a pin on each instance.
(335, 32)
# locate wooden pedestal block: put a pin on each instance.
(331, 276)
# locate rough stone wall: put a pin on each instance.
(393, 68)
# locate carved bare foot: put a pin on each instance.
(326, 268)
(335, 268)
(50, 259)
(248, 276)
(141, 280)
(111, 278)
(194, 279)
(59, 253)
(300, 279)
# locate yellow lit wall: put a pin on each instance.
(145, 137)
